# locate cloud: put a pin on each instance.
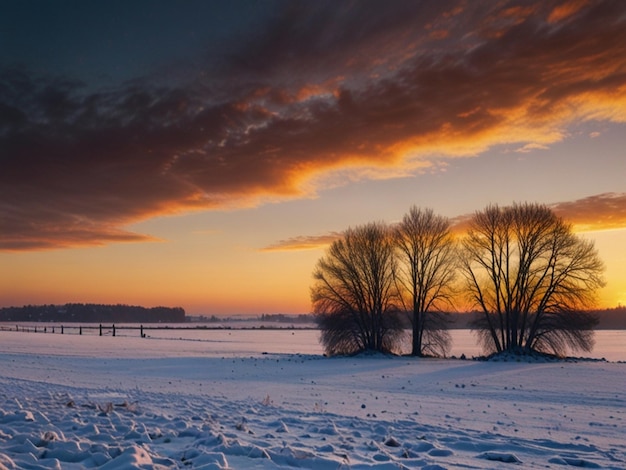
(599, 212)
(304, 242)
(594, 213)
(566, 9)
(530, 147)
(605, 211)
(317, 91)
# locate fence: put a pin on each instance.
(113, 329)
(100, 330)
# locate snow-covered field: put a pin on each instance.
(70, 402)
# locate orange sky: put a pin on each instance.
(206, 163)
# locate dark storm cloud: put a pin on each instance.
(312, 88)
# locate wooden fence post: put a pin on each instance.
(114, 329)
(100, 329)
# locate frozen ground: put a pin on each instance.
(75, 402)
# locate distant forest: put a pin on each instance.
(610, 319)
(92, 313)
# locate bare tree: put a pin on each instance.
(354, 294)
(532, 279)
(426, 272)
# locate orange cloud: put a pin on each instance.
(78, 165)
(599, 212)
(605, 211)
(439, 34)
(566, 9)
(531, 147)
(304, 242)
(68, 238)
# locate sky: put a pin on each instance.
(204, 154)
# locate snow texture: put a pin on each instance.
(105, 403)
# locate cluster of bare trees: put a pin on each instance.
(525, 272)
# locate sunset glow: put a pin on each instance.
(204, 155)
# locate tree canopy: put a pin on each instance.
(355, 296)
(426, 272)
(531, 278)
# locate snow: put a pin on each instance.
(74, 402)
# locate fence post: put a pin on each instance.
(100, 329)
(61, 329)
(80, 330)
(114, 329)
(141, 331)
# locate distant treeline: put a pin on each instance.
(610, 319)
(92, 313)
(283, 318)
